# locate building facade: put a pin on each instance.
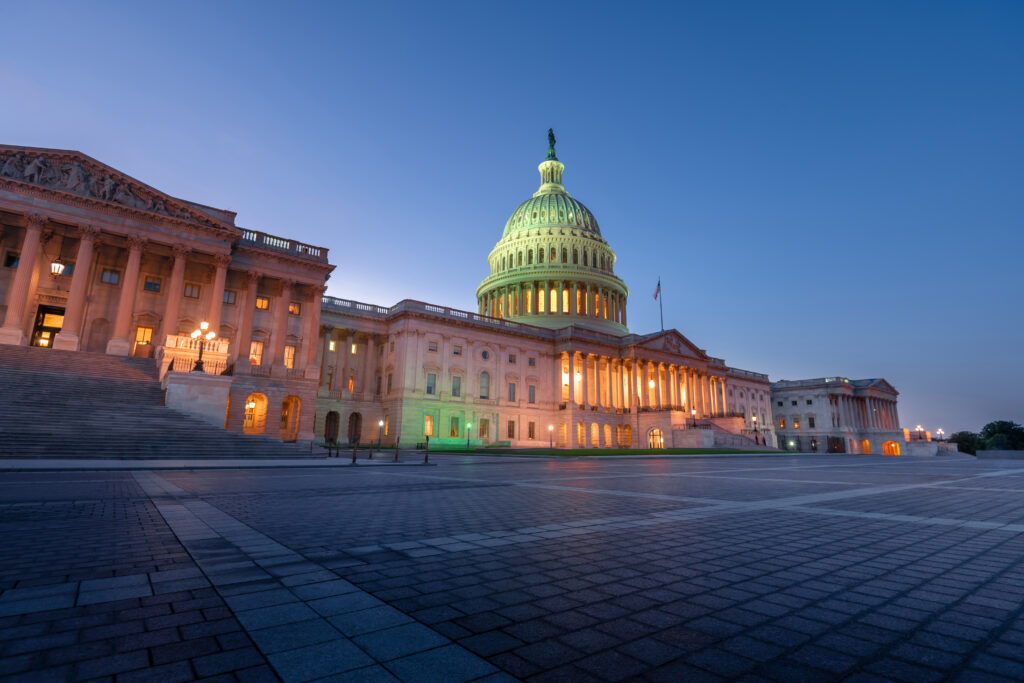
(94, 260)
(837, 415)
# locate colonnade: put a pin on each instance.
(864, 412)
(346, 362)
(555, 297)
(612, 384)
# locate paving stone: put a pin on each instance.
(318, 661)
(449, 664)
(368, 620)
(294, 635)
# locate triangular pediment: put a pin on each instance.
(883, 385)
(78, 174)
(671, 341)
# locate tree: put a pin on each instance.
(1003, 435)
(966, 442)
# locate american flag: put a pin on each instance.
(658, 290)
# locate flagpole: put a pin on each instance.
(661, 306)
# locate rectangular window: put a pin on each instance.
(330, 345)
(144, 336)
(229, 297)
(531, 362)
(484, 429)
(377, 392)
(796, 422)
(809, 402)
(511, 391)
(810, 421)
(453, 427)
(780, 404)
(151, 284)
(431, 346)
(289, 357)
(295, 308)
(511, 358)
(192, 291)
(11, 259)
(511, 429)
(353, 349)
(782, 423)
(431, 381)
(531, 430)
(351, 384)
(387, 425)
(428, 425)
(532, 393)
(390, 376)
(256, 353)
(111, 277)
(456, 386)
(793, 402)
(262, 303)
(457, 350)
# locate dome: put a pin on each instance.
(552, 210)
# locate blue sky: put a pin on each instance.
(823, 188)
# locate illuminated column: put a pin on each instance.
(280, 331)
(245, 327)
(571, 379)
(169, 324)
(68, 338)
(17, 297)
(673, 389)
(725, 397)
(585, 359)
(216, 304)
(348, 356)
(645, 390)
(119, 344)
(610, 377)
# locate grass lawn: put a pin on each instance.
(596, 451)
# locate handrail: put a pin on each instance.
(266, 241)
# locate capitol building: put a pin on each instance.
(95, 261)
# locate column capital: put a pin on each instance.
(35, 221)
(136, 242)
(253, 276)
(180, 250)
(87, 232)
(222, 260)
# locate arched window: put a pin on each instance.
(529, 257)
(540, 255)
(554, 255)
(485, 385)
(584, 257)
(575, 256)
(503, 263)
(519, 259)
(655, 439)
(565, 255)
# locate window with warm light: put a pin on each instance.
(351, 384)
(256, 353)
(289, 357)
(484, 429)
(330, 345)
(782, 423)
(531, 430)
(796, 422)
(295, 308)
(387, 424)
(453, 426)
(353, 349)
(262, 303)
(192, 291)
(428, 425)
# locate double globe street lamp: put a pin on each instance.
(203, 336)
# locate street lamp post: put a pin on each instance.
(940, 432)
(551, 436)
(380, 434)
(693, 414)
(919, 431)
(203, 336)
(469, 425)
(753, 419)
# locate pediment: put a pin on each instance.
(671, 341)
(883, 385)
(78, 174)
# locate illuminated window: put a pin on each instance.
(431, 382)
(229, 297)
(11, 259)
(796, 422)
(289, 357)
(351, 384)
(456, 386)
(511, 429)
(485, 385)
(531, 392)
(428, 425)
(110, 277)
(256, 353)
(565, 301)
(457, 350)
(262, 303)
(295, 308)
(387, 424)
(330, 345)
(151, 284)
(453, 426)
(143, 335)
(554, 300)
(431, 346)
(484, 429)
(511, 391)
(782, 423)
(192, 291)
(531, 430)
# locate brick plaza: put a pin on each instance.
(500, 568)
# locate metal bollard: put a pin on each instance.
(397, 441)
(354, 447)
(426, 452)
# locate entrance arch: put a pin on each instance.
(355, 427)
(255, 421)
(865, 446)
(332, 424)
(890, 448)
(627, 436)
(291, 409)
(655, 439)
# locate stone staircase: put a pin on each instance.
(76, 404)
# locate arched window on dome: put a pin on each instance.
(529, 257)
(519, 259)
(540, 255)
(535, 214)
(554, 255)
(575, 256)
(485, 385)
(584, 257)
(503, 263)
(565, 255)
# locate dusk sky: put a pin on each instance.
(824, 188)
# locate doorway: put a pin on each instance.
(331, 426)
(49, 321)
(355, 427)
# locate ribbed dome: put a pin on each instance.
(554, 209)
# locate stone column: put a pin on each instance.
(119, 344)
(611, 386)
(366, 387)
(571, 399)
(280, 332)
(347, 368)
(216, 305)
(725, 397)
(13, 331)
(69, 337)
(309, 344)
(169, 324)
(244, 336)
(645, 389)
(585, 359)
(328, 332)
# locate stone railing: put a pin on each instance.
(736, 372)
(262, 240)
(180, 353)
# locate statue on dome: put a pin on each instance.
(551, 146)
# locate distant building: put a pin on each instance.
(837, 415)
